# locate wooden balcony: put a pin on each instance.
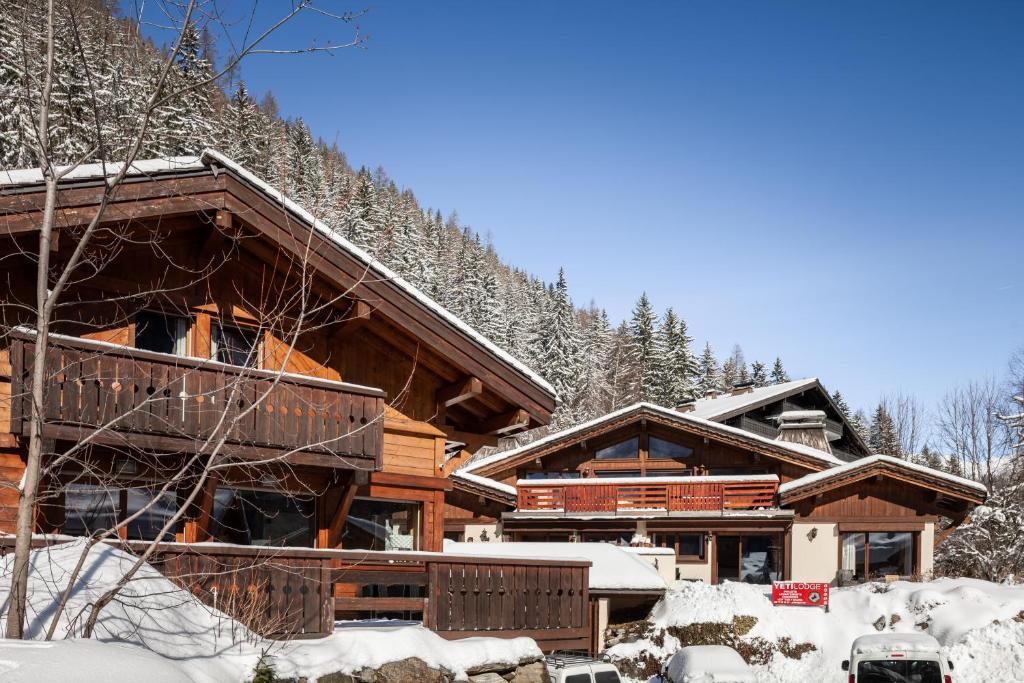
(657, 494)
(117, 395)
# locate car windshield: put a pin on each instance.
(899, 671)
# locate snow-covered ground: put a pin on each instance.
(157, 633)
(978, 622)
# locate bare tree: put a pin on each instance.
(282, 315)
(908, 417)
(969, 428)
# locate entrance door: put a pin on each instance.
(727, 555)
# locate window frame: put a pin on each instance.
(700, 558)
(183, 331)
(915, 551)
(669, 458)
(630, 458)
(216, 330)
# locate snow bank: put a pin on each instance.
(977, 622)
(612, 568)
(709, 664)
(159, 633)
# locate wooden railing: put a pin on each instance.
(685, 496)
(463, 596)
(298, 592)
(175, 403)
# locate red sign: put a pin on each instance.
(800, 594)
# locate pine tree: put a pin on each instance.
(759, 374)
(708, 372)
(883, 438)
(728, 373)
(841, 404)
(595, 386)
(560, 345)
(859, 423)
(677, 375)
(15, 115)
(244, 136)
(190, 114)
(779, 375)
(363, 216)
(644, 352)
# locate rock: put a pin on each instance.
(337, 678)
(537, 672)
(489, 677)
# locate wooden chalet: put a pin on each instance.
(733, 504)
(182, 335)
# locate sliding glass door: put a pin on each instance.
(752, 558)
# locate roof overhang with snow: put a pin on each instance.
(937, 481)
(211, 182)
(798, 454)
(482, 486)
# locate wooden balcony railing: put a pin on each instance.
(165, 402)
(690, 494)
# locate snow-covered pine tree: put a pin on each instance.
(621, 373)
(759, 374)
(729, 373)
(306, 177)
(644, 351)
(708, 373)
(362, 219)
(595, 388)
(841, 403)
(190, 122)
(559, 346)
(779, 374)
(243, 129)
(859, 422)
(15, 116)
(883, 438)
(676, 383)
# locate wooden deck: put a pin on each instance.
(298, 592)
(164, 402)
(570, 496)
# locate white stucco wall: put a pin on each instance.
(663, 559)
(928, 550)
(817, 558)
(602, 622)
(695, 571)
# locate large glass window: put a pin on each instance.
(621, 451)
(687, 546)
(615, 537)
(553, 475)
(161, 333)
(662, 449)
(751, 559)
(895, 671)
(262, 518)
(235, 346)
(876, 554)
(604, 474)
(89, 509)
(382, 525)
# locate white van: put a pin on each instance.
(577, 668)
(898, 658)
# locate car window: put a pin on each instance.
(578, 678)
(606, 677)
(901, 671)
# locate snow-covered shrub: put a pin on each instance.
(991, 545)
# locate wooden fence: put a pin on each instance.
(695, 496)
(170, 402)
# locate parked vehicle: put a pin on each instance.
(898, 658)
(708, 664)
(571, 667)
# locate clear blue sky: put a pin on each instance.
(841, 184)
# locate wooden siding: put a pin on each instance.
(883, 499)
(618, 497)
(411, 447)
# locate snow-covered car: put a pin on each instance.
(898, 657)
(575, 668)
(708, 664)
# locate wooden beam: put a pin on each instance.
(355, 318)
(460, 391)
(337, 524)
(197, 530)
(512, 421)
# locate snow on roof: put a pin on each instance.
(713, 408)
(898, 642)
(789, 415)
(167, 164)
(143, 167)
(486, 482)
(597, 481)
(709, 664)
(806, 451)
(862, 463)
(612, 568)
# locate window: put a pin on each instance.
(578, 678)
(161, 333)
(734, 471)
(687, 546)
(89, 509)
(553, 475)
(874, 554)
(235, 346)
(751, 559)
(606, 677)
(262, 518)
(615, 537)
(624, 450)
(668, 473)
(616, 473)
(661, 449)
(382, 525)
(888, 671)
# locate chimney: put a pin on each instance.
(686, 407)
(742, 388)
(805, 427)
(711, 393)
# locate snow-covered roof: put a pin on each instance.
(864, 463)
(726, 405)
(208, 156)
(895, 642)
(690, 418)
(597, 481)
(485, 482)
(612, 568)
